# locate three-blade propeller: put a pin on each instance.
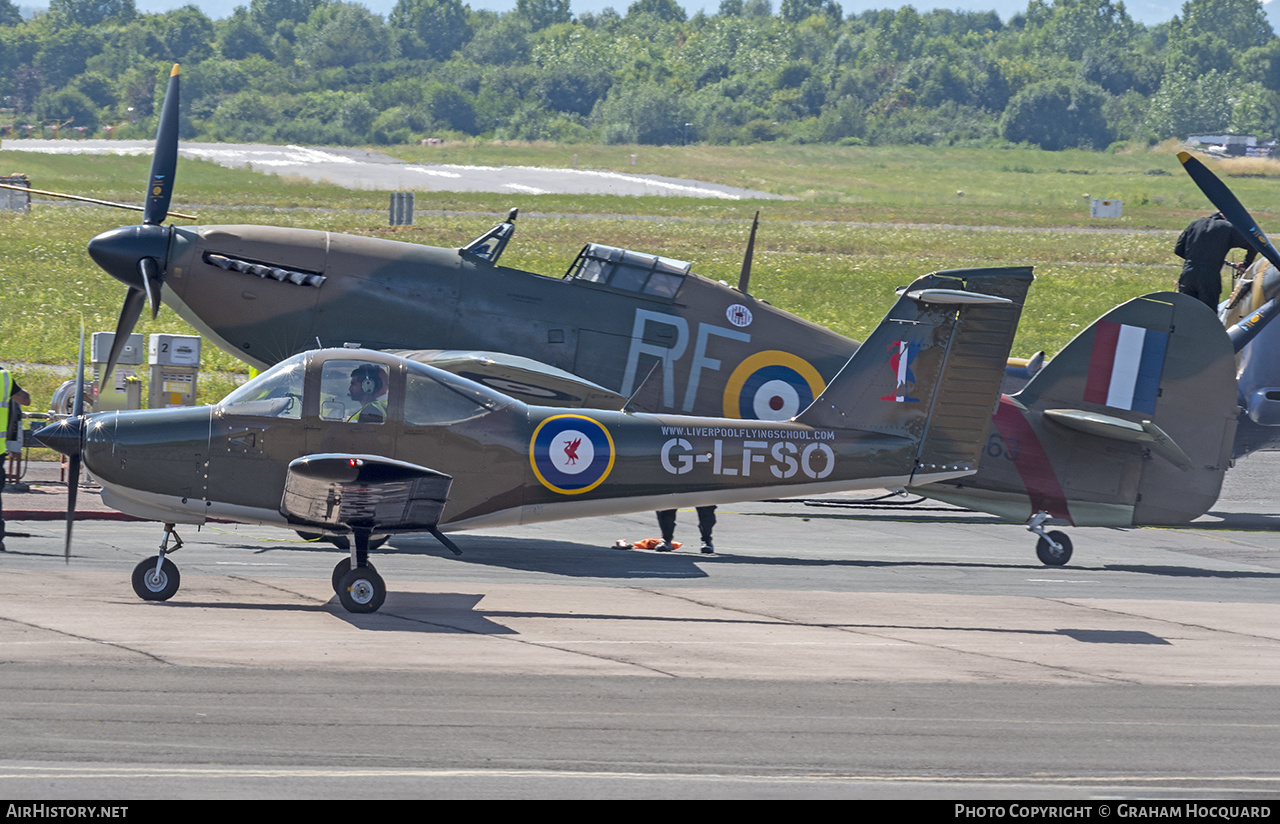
(138, 255)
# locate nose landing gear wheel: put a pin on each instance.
(1051, 556)
(151, 585)
(362, 590)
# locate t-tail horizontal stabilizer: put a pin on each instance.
(931, 371)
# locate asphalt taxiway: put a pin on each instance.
(877, 651)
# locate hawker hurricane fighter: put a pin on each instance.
(354, 442)
(638, 326)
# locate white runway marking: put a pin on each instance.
(359, 169)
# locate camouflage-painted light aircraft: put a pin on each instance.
(354, 442)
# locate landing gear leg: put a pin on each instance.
(156, 578)
(360, 589)
(1053, 548)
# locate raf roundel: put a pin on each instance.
(571, 454)
(771, 386)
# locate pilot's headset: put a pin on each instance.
(369, 376)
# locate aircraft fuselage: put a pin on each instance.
(509, 463)
(705, 350)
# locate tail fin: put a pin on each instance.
(931, 370)
(1157, 373)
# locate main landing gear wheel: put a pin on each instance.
(1048, 554)
(342, 569)
(362, 590)
(153, 585)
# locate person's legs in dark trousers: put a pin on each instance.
(667, 524)
(706, 522)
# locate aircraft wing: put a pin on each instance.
(341, 491)
(524, 379)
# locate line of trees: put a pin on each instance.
(1065, 73)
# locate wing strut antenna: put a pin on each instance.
(745, 276)
(626, 406)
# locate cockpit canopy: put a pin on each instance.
(629, 271)
(359, 386)
(276, 393)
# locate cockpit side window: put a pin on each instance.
(276, 393)
(591, 269)
(428, 402)
(354, 391)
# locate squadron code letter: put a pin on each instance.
(62, 811)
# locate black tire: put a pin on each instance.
(150, 586)
(343, 567)
(1054, 557)
(362, 590)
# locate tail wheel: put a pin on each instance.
(1050, 555)
(156, 585)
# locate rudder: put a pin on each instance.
(931, 370)
(1157, 373)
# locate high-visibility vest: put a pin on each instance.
(6, 384)
(377, 408)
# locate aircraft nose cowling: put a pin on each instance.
(66, 436)
(118, 251)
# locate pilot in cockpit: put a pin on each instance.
(369, 389)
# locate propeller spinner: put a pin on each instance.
(137, 256)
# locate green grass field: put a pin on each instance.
(863, 222)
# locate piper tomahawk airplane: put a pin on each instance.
(353, 442)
